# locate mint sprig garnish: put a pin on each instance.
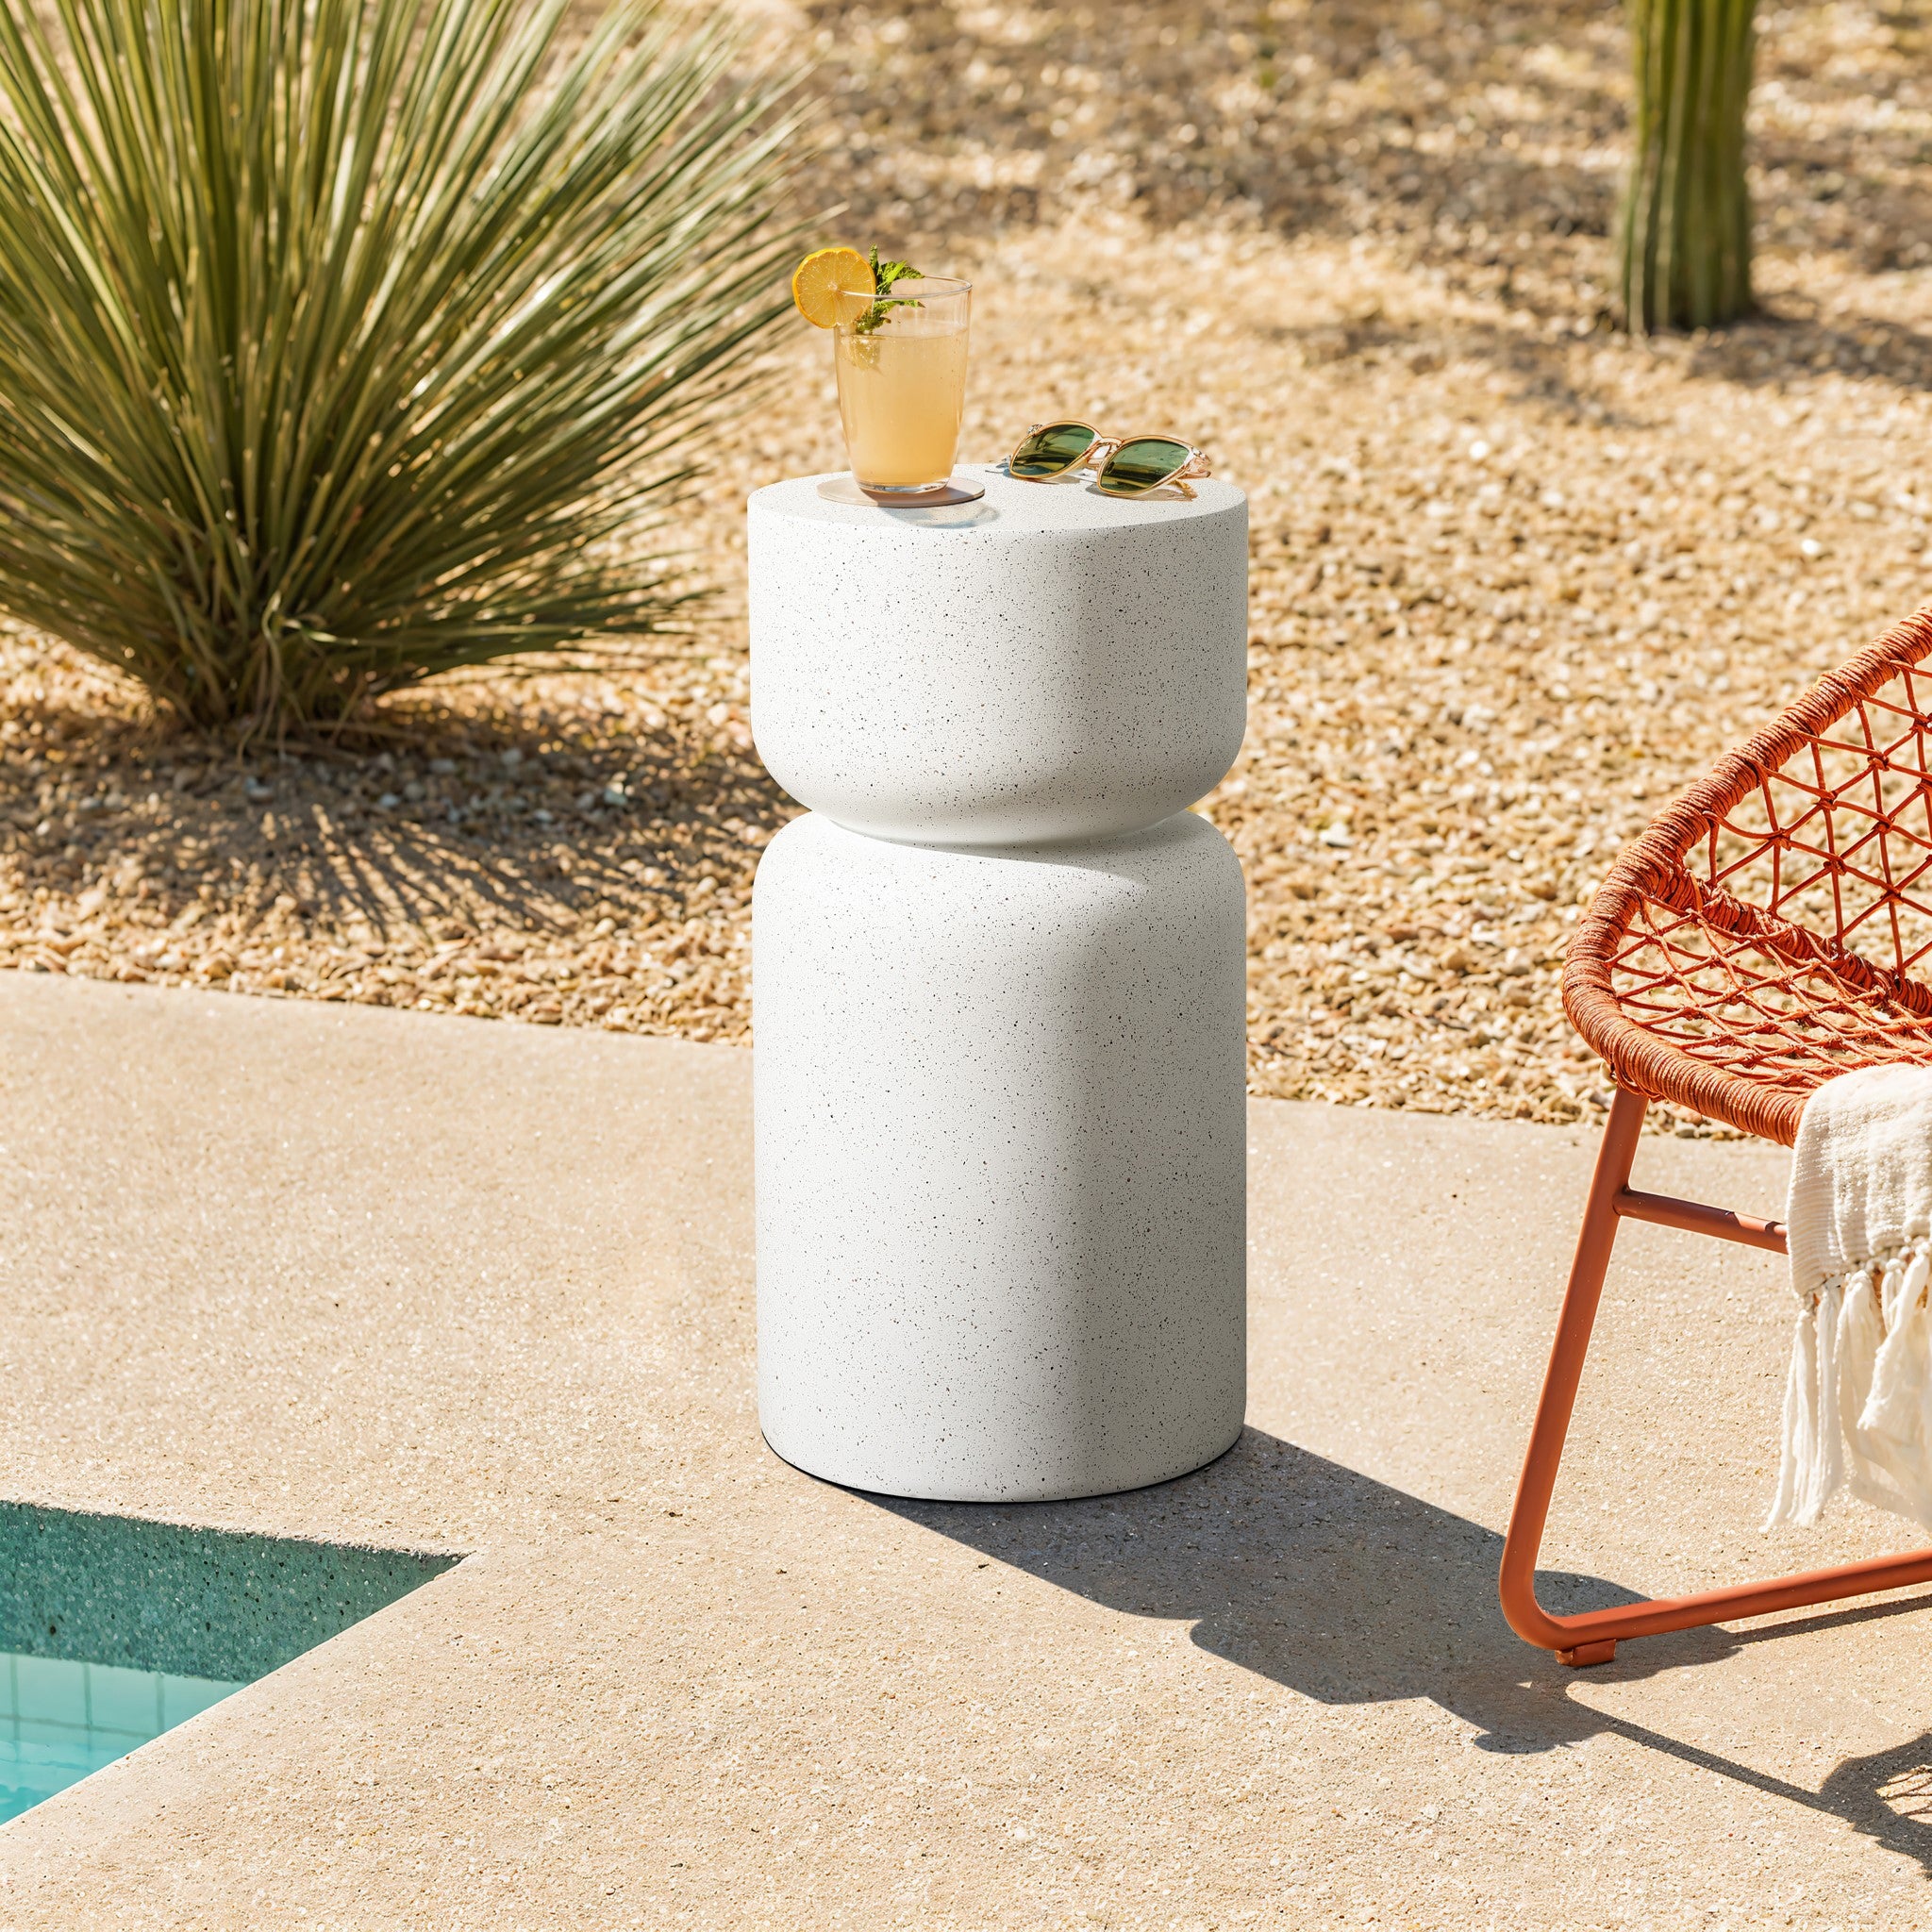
(884, 275)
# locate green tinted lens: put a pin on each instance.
(1047, 452)
(1143, 463)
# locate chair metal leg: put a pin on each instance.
(1593, 1636)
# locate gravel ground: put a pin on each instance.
(1516, 578)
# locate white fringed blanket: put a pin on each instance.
(1858, 1401)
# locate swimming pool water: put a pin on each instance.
(116, 1628)
(60, 1720)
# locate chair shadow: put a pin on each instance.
(1888, 1798)
(1884, 1797)
(1351, 1591)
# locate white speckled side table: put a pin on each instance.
(998, 988)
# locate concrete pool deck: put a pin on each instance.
(343, 1272)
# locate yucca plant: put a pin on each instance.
(342, 339)
(1686, 230)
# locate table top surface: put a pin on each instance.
(1009, 506)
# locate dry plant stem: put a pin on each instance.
(1685, 226)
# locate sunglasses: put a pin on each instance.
(1126, 466)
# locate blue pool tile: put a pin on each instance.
(61, 1719)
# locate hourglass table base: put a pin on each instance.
(999, 1011)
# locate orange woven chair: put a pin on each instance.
(1759, 939)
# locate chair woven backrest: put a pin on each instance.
(1769, 929)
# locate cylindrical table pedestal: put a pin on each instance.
(1000, 1130)
(999, 1093)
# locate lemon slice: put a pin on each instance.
(818, 277)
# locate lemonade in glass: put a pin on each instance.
(899, 351)
(900, 362)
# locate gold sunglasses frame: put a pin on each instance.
(1196, 463)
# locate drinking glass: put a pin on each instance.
(901, 361)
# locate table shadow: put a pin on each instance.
(1318, 1578)
(1351, 1591)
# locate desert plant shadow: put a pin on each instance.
(1471, 137)
(1783, 343)
(519, 869)
(1789, 338)
(1326, 118)
(521, 821)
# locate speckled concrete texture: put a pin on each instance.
(404, 1280)
(999, 1106)
(1047, 663)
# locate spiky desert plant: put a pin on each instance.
(1686, 230)
(339, 338)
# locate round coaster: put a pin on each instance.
(958, 490)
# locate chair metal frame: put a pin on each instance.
(1723, 965)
